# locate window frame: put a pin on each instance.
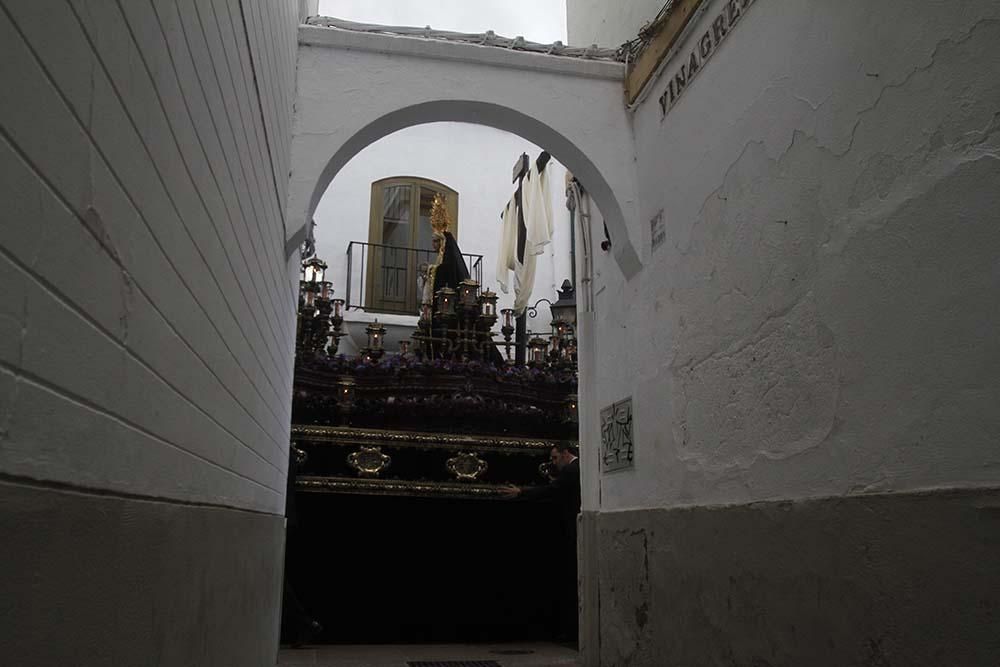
(374, 303)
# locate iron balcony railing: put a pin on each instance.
(387, 279)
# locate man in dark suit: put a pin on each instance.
(563, 491)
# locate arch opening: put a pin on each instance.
(501, 118)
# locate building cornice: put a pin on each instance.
(431, 49)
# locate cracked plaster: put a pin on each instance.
(822, 307)
(773, 396)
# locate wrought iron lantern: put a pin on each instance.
(337, 320)
(309, 293)
(508, 318)
(488, 302)
(570, 408)
(468, 295)
(564, 309)
(345, 390)
(314, 270)
(345, 396)
(538, 350)
(561, 329)
(563, 343)
(376, 340)
(569, 349)
(562, 338)
(375, 332)
(507, 328)
(445, 302)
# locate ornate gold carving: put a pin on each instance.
(440, 220)
(373, 438)
(369, 461)
(391, 487)
(466, 466)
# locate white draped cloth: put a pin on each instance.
(537, 210)
(537, 213)
(524, 281)
(507, 255)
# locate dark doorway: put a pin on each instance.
(382, 569)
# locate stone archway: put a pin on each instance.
(354, 89)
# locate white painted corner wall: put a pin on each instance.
(607, 24)
(146, 316)
(821, 319)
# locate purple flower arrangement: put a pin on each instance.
(400, 366)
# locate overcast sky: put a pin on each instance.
(536, 20)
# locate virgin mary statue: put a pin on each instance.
(448, 268)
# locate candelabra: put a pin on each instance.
(507, 329)
(320, 317)
(561, 347)
(458, 325)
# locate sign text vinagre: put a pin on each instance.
(692, 59)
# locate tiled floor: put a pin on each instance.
(508, 655)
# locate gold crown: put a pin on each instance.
(440, 220)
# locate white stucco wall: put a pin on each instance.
(146, 317)
(822, 317)
(473, 160)
(608, 23)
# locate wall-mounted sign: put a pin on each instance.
(686, 63)
(657, 231)
(617, 446)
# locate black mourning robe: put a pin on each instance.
(452, 269)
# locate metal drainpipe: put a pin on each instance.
(572, 244)
(587, 283)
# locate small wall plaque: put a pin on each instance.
(617, 446)
(657, 231)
